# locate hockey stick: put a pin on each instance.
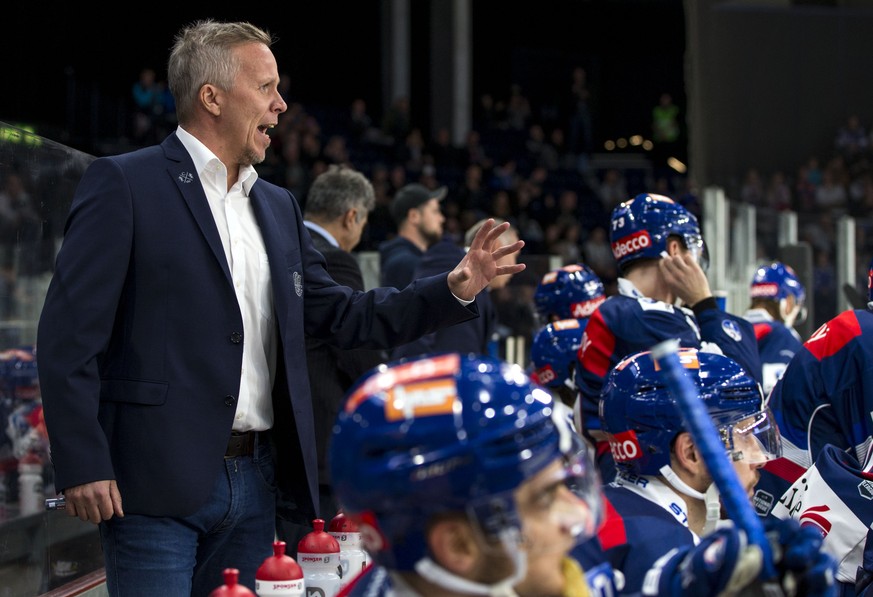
(702, 429)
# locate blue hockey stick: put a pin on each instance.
(700, 425)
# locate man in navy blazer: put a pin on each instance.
(171, 343)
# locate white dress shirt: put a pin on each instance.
(250, 270)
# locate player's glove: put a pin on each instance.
(721, 564)
(802, 567)
(724, 563)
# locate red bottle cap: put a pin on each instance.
(279, 566)
(342, 524)
(230, 588)
(318, 541)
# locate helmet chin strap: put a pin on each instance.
(436, 574)
(680, 485)
(710, 498)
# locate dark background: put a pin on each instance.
(69, 70)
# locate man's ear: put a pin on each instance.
(674, 246)
(209, 96)
(687, 454)
(453, 545)
(350, 217)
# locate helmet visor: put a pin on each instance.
(563, 499)
(754, 439)
(698, 249)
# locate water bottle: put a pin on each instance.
(279, 575)
(353, 558)
(319, 555)
(31, 497)
(231, 588)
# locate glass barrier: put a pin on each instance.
(39, 551)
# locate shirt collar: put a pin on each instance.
(322, 232)
(204, 160)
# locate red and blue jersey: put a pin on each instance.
(834, 496)
(824, 397)
(645, 519)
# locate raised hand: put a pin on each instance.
(479, 266)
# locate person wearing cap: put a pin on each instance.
(416, 211)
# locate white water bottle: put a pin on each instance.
(318, 554)
(353, 558)
(31, 496)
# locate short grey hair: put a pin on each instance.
(203, 53)
(471, 233)
(337, 190)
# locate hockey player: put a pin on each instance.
(565, 298)
(824, 397)
(465, 479)
(663, 530)
(833, 496)
(661, 257)
(553, 357)
(568, 292)
(777, 303)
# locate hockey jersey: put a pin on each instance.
(777, 345)
(835, 496)
(645, 519)
(824, 397)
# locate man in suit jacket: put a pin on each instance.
(335, 213)
(171, 344)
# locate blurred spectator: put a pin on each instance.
(151, 104)
(851, 140)
(397, 121)
(445, 154)
(665, 131)
(778, 195)
(474, 152)
(361, 128)
(831, 195)
(518, 110)
(597, 254)
(416, 210)
(580, 139)
(613, 188)
(752, 189)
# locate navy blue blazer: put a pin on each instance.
(140, 338)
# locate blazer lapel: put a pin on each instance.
(188, 182)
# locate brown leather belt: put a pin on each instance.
(241, 444)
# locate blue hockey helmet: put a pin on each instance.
(777, 281)
(641, 226)
(18, 373)
(553, 352)
(641, 418)
(572, 291)
(451, 434)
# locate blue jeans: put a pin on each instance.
(182, 557)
